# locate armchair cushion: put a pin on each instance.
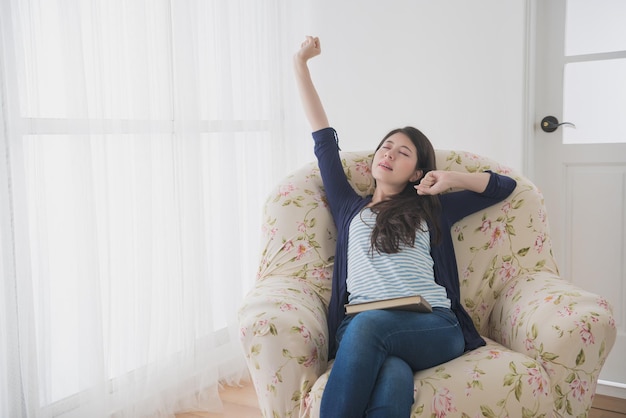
(465, 386)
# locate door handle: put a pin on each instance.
(550, 124)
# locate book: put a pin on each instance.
(407, 303)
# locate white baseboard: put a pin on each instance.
(613, 389)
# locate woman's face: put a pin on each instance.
(395, 162)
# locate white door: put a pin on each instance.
(580, 77)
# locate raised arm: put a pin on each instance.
(311, 102)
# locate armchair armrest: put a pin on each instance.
(284, 337)
(568, 330)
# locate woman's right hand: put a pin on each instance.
(308, 49)
(311, 102)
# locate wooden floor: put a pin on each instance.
(607, 407)
(242, 403)
(239, 402)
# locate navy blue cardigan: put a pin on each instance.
(345, 203)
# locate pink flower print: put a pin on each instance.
(466, 272)
(362, 167)
(285, 189)
(494, 354)
(302, 250)
(565, 312)
(547, 366)
(511, 290)
(306, 290)
(507, 271)
(473, 374)
(603, 303)
(579, 388)
(271, 232)
(276, 379)
(515, 315)
(472, 157)
(288, 245)
(529, 344)
(537, 382)
(542, 215)
(301, 227)
(486, 226)
(319, 198)
(482, 309)
(304, 332)
(503, 169)
(286, 307)
(585, 332)
(312, 359)
(506, 208)
(321, 273)
(539, 241)
(325, 274)
(498, 235)
(261, 327)
(442, 403)
(307, 401)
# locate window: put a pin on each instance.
(143, 134)
(595, 64)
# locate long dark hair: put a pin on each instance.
(399, 218)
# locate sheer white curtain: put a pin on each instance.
(138, 141)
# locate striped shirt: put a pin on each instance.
(374, 275)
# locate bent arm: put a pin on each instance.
(435, 182)
(459, 204)
(313, 108)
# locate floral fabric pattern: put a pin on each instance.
(546, 338)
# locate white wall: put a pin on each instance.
(455, 69)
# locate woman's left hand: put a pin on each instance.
(440, 181)
(434, 182)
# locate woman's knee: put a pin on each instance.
(365, 326)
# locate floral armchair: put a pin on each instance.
(546, 338)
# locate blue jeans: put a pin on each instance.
(378, 353)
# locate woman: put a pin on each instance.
(396, 242)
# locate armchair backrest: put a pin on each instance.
(492, 247)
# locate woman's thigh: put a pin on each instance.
(423, 340)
